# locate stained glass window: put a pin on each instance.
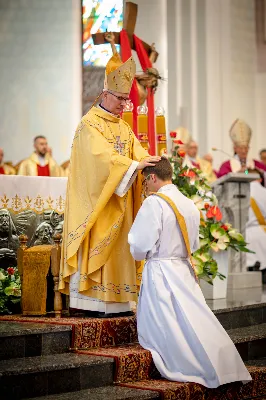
(99, 16)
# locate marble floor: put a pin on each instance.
(239, 298)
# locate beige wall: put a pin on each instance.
(40, 75)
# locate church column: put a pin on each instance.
(217, 75)
(194, 69)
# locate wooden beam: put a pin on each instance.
(98, 38)
(130, 17)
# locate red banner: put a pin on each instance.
(134, 96)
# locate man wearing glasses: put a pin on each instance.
(103, 196)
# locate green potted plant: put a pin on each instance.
(10, 290)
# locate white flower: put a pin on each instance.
(2, 276)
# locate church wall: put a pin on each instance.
(243, 65)
(231, 71)
(40, 75)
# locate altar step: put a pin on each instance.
(89, 376)
(45, 375)
(28, 336)
(18, 339)
(37, 362)
(105, 393)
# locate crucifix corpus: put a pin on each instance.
(130, 18)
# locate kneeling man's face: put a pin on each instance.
(150, 184)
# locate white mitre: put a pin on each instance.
(240, 134)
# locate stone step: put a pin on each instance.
(108, 392)
(239, 317)
(18, 339)
(250, 341)
(51, 374)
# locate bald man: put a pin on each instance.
(5, 169)
(204, 165)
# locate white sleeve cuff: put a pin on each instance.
(127, 180)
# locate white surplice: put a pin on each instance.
(186, 340)
(255, 234)
(80, 301)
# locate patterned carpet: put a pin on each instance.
(88, 333)
(192, 391)
(134, 365)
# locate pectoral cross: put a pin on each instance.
(119, 146)
(130, 18)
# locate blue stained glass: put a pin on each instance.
(100, 16)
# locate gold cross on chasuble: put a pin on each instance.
(119, 146)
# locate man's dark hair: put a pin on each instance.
(260, 173)
(38, 137)
(162, 169)
(262, 151)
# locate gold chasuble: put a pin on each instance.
(97, 221)
(31, 167)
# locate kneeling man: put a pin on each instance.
(187, 342)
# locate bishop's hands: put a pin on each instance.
(148, 162)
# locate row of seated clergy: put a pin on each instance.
(240, 134)
(31, 167)
(40, 163)
(191, 158)
(35, 265)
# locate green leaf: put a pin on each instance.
(233, 233)
(203, 256)
(198, 265)
(204, 242)
(2, 276)
(214, 246)
(217, 232)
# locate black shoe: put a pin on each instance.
(109, 315)
(75, 313)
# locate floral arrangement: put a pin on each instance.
(10, 289)
(215, 235)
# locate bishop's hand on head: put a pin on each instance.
(148, 162)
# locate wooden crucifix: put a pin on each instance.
(130, 18)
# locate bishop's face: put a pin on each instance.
(114, 102)
(192, 149)
(241, 151)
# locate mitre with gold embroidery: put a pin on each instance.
(240, 133)
(118, 75)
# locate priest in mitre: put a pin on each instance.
(103, 195)
(186, 340)
(40, 163)
(5, 169)
(240, 134)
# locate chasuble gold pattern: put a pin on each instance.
(102, 152)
